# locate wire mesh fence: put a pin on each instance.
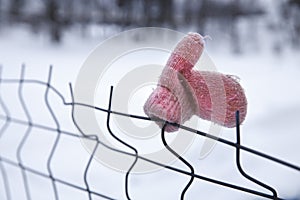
(50, 150)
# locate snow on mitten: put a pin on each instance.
(183, 92)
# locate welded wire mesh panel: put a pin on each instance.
(42, 156)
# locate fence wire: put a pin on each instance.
(29, 123)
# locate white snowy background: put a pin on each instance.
(271, 83)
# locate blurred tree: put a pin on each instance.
(188, 14)
(158, 13)
(166, 12)
(102, 11)
(53, 20)
(150, 9)
(68, 14)
(295, 2)
(127, 9)
(236, 11)
(0, 12)
(203, 12)
(15, 8)
(85, 15)
(293, 16)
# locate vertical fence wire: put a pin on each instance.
(122, 142)
(238, 160)
(2, 130)
(163, 138)
(26, 134)
(52, 151)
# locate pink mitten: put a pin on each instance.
(183, 92)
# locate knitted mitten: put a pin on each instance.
(183, 92)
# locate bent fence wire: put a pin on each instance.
(8, 120)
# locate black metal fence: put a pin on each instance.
(28, 125)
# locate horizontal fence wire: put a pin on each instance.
(49, 88)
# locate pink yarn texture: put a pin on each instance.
(183, 92)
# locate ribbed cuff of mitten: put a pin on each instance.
(163, 105)
(173, 100)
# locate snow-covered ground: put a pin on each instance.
(271, 84)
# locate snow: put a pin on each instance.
(271, 83)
